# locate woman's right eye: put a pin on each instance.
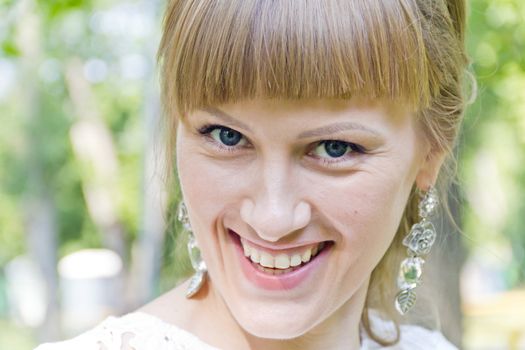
(224, 136)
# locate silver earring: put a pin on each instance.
(419, 241)
(199, 277)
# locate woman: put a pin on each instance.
(307, 133)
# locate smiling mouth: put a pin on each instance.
(280, 263)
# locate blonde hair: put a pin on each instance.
(217, 51)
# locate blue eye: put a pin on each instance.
(223, 135)
(333, 149)
(227, 136)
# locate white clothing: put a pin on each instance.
(146, 332)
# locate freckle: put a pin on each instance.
(355, 212)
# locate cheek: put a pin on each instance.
(206, 187)
(205, 190)
(376, 197)
(365, 209)
(372, 196)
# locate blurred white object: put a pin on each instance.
(26, 291)
(91, 285)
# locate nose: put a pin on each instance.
(275, 209)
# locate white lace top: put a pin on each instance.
(145, 332)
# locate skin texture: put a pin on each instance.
(274, 189)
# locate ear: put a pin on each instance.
(429, 170)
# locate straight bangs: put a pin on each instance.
(215, 52)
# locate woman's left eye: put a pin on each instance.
(333, 149)
(224, 136)
(228, 137)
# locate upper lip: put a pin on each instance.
(276, 249)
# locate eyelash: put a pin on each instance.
(333, 162)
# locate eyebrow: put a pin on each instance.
(318, 132)
(226, 117)
(335, 128)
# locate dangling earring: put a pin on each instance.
(199, 277)
(420, 239)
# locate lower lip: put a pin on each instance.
(283, 281)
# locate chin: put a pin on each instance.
(275, 330)
(284, 325)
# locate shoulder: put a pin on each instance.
(138, 331)
(412, 337)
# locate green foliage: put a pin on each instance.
(9, 49)
(37, 116)
(54, 8)
(493, 150)
(6, 3)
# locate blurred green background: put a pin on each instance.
(81, 168)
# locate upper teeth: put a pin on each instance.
(280, 261)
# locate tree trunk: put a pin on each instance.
(40, 214)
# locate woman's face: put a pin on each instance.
(315, 188)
